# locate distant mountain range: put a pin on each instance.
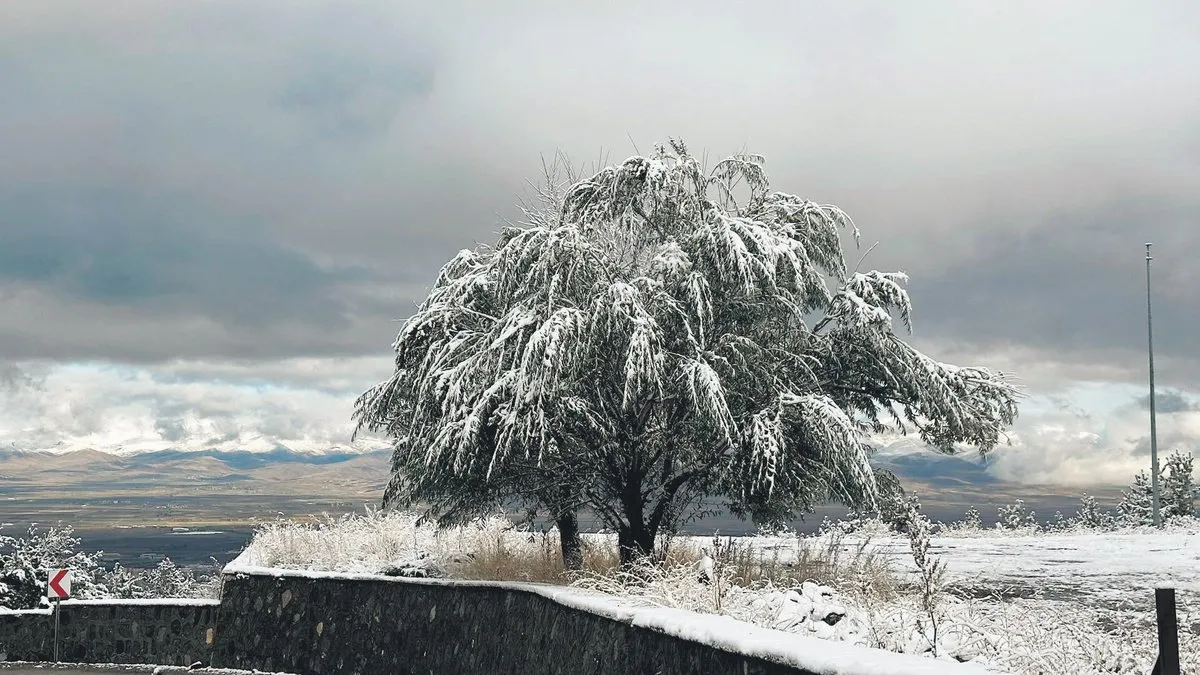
(259, 445)
(944, 483)
(333, 474)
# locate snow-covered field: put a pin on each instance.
(1104, 569)
(1069, 602)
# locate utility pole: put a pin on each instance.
(1153, 422)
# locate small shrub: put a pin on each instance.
(1016, 516)
(1091, 516)
(166, 580)
(970, 524)
(931, 573)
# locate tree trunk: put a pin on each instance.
(568, 537)
(635, 543)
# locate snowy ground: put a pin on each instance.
(1068, 602)
(1100, 569)
(1042, 602)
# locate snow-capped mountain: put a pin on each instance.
(254, 445)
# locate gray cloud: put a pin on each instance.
(1170, 402)
(118, 249)
(228, 166)
(1072, 285)
(244, 184)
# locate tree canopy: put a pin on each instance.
(658, 333)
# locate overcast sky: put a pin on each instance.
(213, 214)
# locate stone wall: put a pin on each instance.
(326, 626)
(162, 632)
(316, 624)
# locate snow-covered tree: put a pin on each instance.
(664, 333)
(455, 498)
(1177, 492)
(1137, 502)
(1178, 489)
(165, 580)
(26, 564)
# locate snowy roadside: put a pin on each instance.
(1017, 602)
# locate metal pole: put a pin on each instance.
(1157, 516)
(57, 607)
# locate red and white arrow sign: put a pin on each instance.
(59, 586)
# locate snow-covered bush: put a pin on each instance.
(1137, 501)
(165, 580)
(1091, 516)
(1016, 516)
(970, 523)
(931, 573)
(407, 544)
(27, 562)
(1177, 493)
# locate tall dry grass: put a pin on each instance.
(495, 549)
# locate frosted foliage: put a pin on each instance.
(1178, 489)
(657, 327)
(1177, 492)
(27, 562)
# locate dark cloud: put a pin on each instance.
(232, 180)
(1072, 285)
(164, 256)
(1170, 402)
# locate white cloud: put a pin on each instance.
(1062, 442)
(301, 404)
(1087, 434)
(938, 126)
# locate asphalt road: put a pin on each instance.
(64, 671)
(28, 668)
(73, 669)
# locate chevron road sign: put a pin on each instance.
(59, 586)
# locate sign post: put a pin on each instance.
(58, 587)
(1168, 633)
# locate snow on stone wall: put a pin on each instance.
(313, 622)
(329, 624)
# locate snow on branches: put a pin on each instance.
(658, 327)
